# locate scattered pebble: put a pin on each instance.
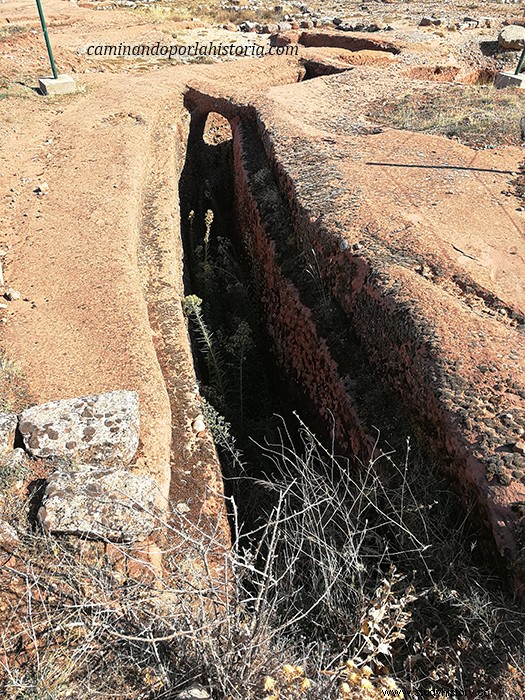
(198, 424)
(12, 294)
(43, 188)
(519, 447)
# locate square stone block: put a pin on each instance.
(508, 79)
(62, 85)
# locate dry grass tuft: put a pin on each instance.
(11, 30)
(478, 116)
(13, 393)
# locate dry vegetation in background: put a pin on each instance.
(214, 13)
(476, 115)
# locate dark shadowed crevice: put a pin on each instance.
(242, 382)
(303, 354)
(247, 262)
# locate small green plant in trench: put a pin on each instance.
(225, 325)
(208, 347)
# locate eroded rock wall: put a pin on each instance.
(301, 351)
(404, 346)
(385, 308)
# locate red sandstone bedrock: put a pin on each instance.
(350, 42)
(406, 329)
(411, 359)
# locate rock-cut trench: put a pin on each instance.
(271, 334)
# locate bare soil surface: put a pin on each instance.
(81, 253)
(97, 257)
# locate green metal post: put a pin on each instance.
(520, 63)
(48, 44)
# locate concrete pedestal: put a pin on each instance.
(62, 85)
(508, 79)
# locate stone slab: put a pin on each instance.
(99, 428)
(63, 85)
(107, 504)
(512, 38)
(509, 79)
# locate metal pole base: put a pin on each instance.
(61, 85)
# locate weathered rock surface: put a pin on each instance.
(282, 39)
(109, 504)
(345, 41)
(430, 21)
(8, 423)
(194, 692)
(12, 467)
(460, 361)
(512, 38)
(8, 536)
(520, 21)
(104, 427)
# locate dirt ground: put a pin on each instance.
(78, 253)
(82, 253)
(89, 207)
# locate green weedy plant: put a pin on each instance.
(221, 431)
(238, 345)
(226, 325)
(208, 220)
(193, 309)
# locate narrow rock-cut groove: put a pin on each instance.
(309, 359)
(240, 375)
(317, 68)
(346, 41)
(356, 359)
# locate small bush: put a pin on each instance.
(12, 30)
(291, 591)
